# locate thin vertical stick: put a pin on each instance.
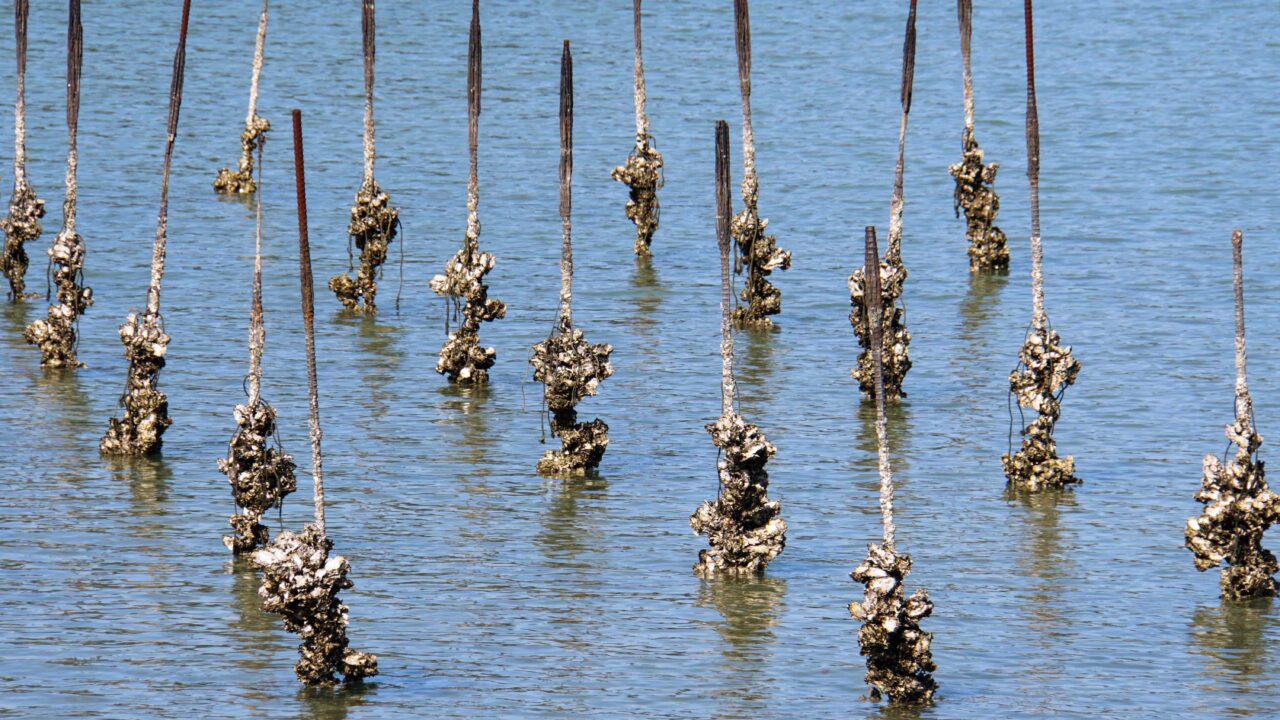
(162, 222)
(308, 318)
(964, 8)
(369, 32)
(257, 331)
(566, 185)
(1038, 317)
(908, 77)
(871, 301)
(75, 60)
(20, 10)
(258, 47)
(473, 127)
(642, 118)
(742, 41)
(1244, 405)
(723, 212)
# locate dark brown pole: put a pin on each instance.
(1038, 318)
(724, 211)
(308, 318)
(871, 300)
(175, 106)
(566, 185)
(473, 128)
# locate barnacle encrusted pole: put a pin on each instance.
(462, 358)
(374, 223)
(743, 526)
(22, 225)
(1045, 366)
(642, 172)
(146, 409)
(1239, 506)
(758, 253)
(55, 334)
(975, 181)
(300, 580)
(893, 274)
(259, 471)
(899, 659)
(240, 181)
(569, 366)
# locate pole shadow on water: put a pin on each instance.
(254, 630)
(378, 359)
(1231, 637)
(567, 533)
(754, 369)
(978, 309)
(1048, 569)
(60, 397)
(470, 439)
(333, 703)
(648, 292)
(148, 480)
(898, 415)
(750, 607)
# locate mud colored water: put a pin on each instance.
(488, 591)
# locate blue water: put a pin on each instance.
(487, 591)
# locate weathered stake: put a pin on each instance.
(569, 366)
(1239, 506)
(975, 181)
(22, 225)
(300, 581)
(758, 253)
(899, 656)
(743, 526)
(240, 181)
(1045, 367)
(146, 409)
(890, 318)
(374, 222)
(642, 172)
(462, 358)
(55, 334)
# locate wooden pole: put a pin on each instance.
(308, 319)
(259, 45)
(724, 212)
(175, 106)
(642, 118)
(964, 8)
(908, 76)
(871, 300)
(368, 29)
(742, 42)
(75, 61)
(257, 331)
(473, 128)
(1038, 318)
(566, 185)
(1244, 404)
(20, 11)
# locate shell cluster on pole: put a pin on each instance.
(300, 578)
(1239, 506)
(146, 409)
(975, 192)
(22, 224)
(259, 471)
(567, 365)
(240, 181)
(898, 651)
(891, 318)
(758, 254)
(642, 172)
(55, 334)
(374, 222)
(744, 528)
(1045, 366)
(462, 358)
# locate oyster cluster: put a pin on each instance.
(899, 659)
(1239, 507)
(1045, 370)
(20, 227)
(301, 582)
(642, 173)
(462, 358)
(760, 255)
(571, 369)
(146, 409)
(240, 181)
(976, 195)
(893, 274)
(55, 335)
(374, 224)
(260, 475)
(743, 526)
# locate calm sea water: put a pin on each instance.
(489, 591)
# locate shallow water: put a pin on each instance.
(488, 591)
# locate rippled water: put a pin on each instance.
(489, 591)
